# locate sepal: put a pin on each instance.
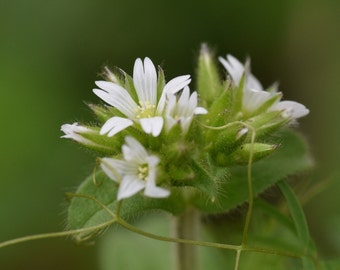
(209, 84)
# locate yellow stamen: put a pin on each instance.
(145, 110)
(143, 172)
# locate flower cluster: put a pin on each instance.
(154, 136)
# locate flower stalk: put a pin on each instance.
(186, 226)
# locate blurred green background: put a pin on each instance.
(51, 52)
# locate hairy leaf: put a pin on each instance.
(291, 157)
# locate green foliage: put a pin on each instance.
(211, 193)
(291, 157)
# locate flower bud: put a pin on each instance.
(208, 85)
(242, 154)
(102, 112)
(267, 123)
(227, 141)
(90, 138)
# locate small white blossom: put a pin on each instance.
(236, 70)
(290, 109)
(135, 172)
(147, 111)
(254, 95)
(182, 111)
(75, 132)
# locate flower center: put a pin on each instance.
(145, 110)
(143, 172)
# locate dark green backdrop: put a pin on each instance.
(52, 51)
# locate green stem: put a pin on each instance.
(250, 193)
(56, 234)
(186, 226)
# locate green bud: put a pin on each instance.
(109, 76)
(226, 141)
(104, 113)
(242, 154)
(90, 138)
(178, 152)
(268, 103)
(219, 112)
(209, 83)
(267, 123)
(181, 175)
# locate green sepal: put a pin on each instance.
(219, 112)
(292, 157)
(226, 141)
(242, 154)
(102, 143)
(237, 99)
(160, 82)
(130, 86)
(104, 112)
(267, 123)
(267, 104)
(194, 175)
(114, 76)
(209, 84)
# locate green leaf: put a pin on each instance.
(292, 157)
(333, 264)
(300, 223)
(121, 249)
(84, 212)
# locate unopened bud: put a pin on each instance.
(90, 138)
(228, 140)
(208, 85)
(103, 113)
(242, 155)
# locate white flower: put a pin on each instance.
(254, 95)
(290, 109)
(236, 70)
(182, 110)
(147, 111)
(75, 132)
(135, 172)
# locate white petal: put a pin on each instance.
(116, 96)
(253, 99)
(184, 106)
(152, 161)
(152, 125)
(156, 192)
(291, 108)
(192, 104)
(172, 87)
(134, 151)
(170, 122)
(74, 128)
(75, 132)
(234, 68)
(115, 125)
(200, 110)
(113, 168)
(184, 101)
(151, 190)
(145, 80)
(177, 84)
(185, 123)
(171, 104)
(253, 82)
(129, 186)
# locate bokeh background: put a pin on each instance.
(51, 52)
